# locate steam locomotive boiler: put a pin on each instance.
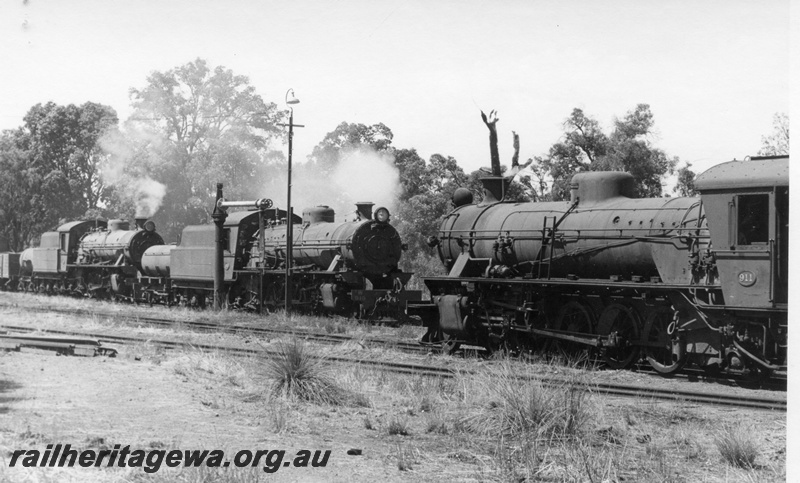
(676, 280)
(343, 267)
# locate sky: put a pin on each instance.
(713, 72)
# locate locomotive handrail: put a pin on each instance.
(454, 215)
(569, 210)
(301, 243)
(699, 215)
(651, 238)
(740, 250)
(539, 230)
(772, 269)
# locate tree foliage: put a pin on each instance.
(776, 143)
(19, 186)
(428, 188)
(50, 169)
(65, 138)
(585, 147)
(685, 184)
(209, 126)
(327, 153)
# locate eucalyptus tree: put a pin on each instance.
(776, 143)
(207, 125)
(63, 141)
(628, 147)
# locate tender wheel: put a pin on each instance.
(573, 317)
(661, 358)
(625, 322)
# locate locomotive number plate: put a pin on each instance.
(747, 278)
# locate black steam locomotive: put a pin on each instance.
(348, 268)
(83, 258)
(676, 281)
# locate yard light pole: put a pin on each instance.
(290, 101)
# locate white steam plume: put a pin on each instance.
(120, 171)
(361, 174)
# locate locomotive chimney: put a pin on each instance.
(140, 223)
(364, 209)
(494, 189)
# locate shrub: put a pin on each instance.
(296, 373)
(398, 426)
(512, 407)
(737, 447)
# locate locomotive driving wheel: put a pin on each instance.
(625, 322)
(574, 316)
(661, 358)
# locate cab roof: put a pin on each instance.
(754, 172)
(81, 225)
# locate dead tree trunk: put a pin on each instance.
(490, 122)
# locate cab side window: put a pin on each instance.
(752, 219)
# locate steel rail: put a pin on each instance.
(609, 389)
(776, 383)
(233, 329)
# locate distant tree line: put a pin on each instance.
(194, 126)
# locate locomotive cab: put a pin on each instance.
(747, 203)
(59, 248)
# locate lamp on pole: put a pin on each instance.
(289, 232)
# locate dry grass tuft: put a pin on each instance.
(368, 424)
(517, 462)
(505, 405)
(398, 426)
(737, 447)
(298, 374)
(406, 458)
(437, 424)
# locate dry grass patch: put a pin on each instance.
(201, 474)
(737, 446)
(214, 365)
(407, 458)
(501, 404)
(398, 426)
(436, 423)
(295, 373)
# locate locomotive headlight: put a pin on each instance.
(382, 215)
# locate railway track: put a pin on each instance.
(608, 389)
(688, 375)
(201, 326)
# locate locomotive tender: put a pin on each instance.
(700, 280)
